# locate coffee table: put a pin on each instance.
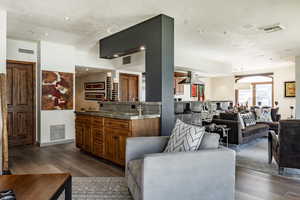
(38, 186)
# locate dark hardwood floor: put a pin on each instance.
(250, 185)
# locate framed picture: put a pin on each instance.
(57, 90)
(194, 90)
(290, 89)
(94, 96)
(94, 85)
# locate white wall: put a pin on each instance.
(297, 78)
(282, 75)
(222, 88)
(2, 66)
(90, 58)
(57, 57)
(53, 57)
(2, 41)
(13, 50)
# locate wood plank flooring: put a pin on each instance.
(250, 185)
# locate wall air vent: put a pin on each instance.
(57, 132)
(272, 28)
(126, 60)
(27, 51)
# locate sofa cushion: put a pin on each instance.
(185, 137)
(210, 141)
(241, 121)
(255, 129)
(265, 115)
(135, 168)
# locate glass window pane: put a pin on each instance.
(245, 97)
(264, 94)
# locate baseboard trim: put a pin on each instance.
(55, 142)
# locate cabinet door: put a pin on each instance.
(120, 149)
(87, 139)
(110, 146)
(97, 138)
(79, 135)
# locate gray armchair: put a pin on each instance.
(207, 174)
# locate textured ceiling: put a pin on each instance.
(214, 32)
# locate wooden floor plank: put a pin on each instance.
(250, 184)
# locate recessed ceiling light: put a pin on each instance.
(67, 18)
(142, 48)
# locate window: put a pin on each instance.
(255, 91)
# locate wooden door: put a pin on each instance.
(129, 87)
(20, 100)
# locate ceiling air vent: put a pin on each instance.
(272, 28)
(27, 51)
(126, 60)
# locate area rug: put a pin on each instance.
(100, 188)
(255, 156)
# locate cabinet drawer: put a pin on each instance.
(97, 121)
(83, 119)
(114, 131)
(117, 123)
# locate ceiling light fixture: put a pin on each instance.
(46, 34)
(67, 18)
(272, 28)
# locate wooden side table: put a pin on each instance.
(38, 186)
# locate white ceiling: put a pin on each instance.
(220, 32)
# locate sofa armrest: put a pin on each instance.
(137, 147)
(206, 174)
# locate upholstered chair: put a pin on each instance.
(285, 147)
(208, 174)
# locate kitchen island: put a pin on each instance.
(104, 133)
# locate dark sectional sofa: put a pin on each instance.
(237, 135)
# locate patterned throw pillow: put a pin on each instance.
(241, 121)
(185, 138)
(248, 119)
(265, 115)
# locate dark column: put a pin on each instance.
(157, 35)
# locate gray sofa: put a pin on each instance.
(208, 174)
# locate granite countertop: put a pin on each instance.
(118, 115)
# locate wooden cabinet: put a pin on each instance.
(79, 135)
(98, 140)
(106, 137)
